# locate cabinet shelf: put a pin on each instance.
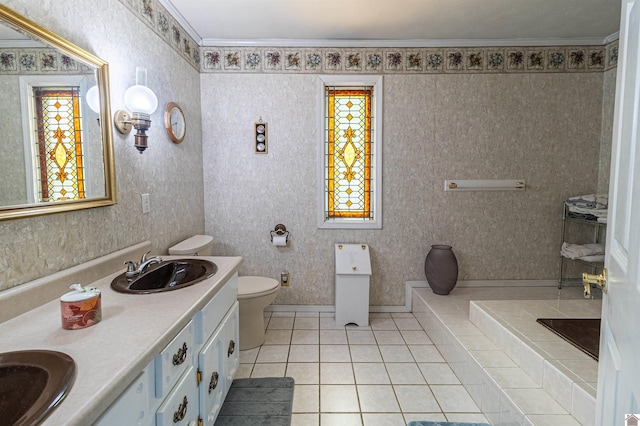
(598, 227)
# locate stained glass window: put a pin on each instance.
(59, 144)
(349, 151)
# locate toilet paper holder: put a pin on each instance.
(280, 229)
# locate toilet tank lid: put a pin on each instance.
(255, 285)
(191, 245)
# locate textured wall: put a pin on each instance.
(171, 174)
(13, 189)
(608, 104)
(544, 128)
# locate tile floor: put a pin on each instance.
(389, 373)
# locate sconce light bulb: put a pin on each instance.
(140, 98)
(93, 99)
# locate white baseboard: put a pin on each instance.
(495, 283)
(409, 286)
(300, 308)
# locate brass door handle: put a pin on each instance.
(214, 381)
(179, 414)
(181, 355)
(599, 280)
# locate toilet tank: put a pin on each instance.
(198, 245)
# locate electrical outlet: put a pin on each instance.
(146, 204)
(284, 278)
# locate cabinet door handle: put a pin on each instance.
(214, 381)
(232, 348)
(182, 411)
(181, 355)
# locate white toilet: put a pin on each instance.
(254, 293)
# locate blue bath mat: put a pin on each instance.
(264, 401)
(425, 423)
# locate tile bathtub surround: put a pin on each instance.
(565, 373)
(516, 371)
(388, 373)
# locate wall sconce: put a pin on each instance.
(93, 99)
(142, 102)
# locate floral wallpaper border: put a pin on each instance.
(373, 60)
(411, 60)
(152, 13)
(39, 60)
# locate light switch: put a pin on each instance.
(146, 204)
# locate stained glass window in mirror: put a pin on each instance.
(59, 144)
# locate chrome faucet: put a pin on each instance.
(134, 269)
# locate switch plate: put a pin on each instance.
(146, 204)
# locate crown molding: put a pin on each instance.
(22, 44)
(180, 19)
(611, 38)
(591, 41)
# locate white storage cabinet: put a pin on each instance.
(188, 381)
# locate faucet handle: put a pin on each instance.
(131, 268)
(144, 257)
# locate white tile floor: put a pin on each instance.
(389, 373)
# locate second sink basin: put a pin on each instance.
(166, 276)
(32, 384)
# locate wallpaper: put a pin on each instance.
(608, 103)
(12, 175)
(536, 59)
(170, 173)
(543, 128)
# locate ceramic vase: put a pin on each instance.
(441, 269)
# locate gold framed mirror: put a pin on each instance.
(56, 154)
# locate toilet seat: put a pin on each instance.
(249, 287)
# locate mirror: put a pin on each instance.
(56, 153)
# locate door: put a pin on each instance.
(231, 330)
(619, 366)
(212, 388)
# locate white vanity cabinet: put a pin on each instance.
(180, 408)
(218, 357)
(134, 406)
(217, 363)
(174, 360)
(188, 381)
(232, 332)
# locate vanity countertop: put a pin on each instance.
(110, 354)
